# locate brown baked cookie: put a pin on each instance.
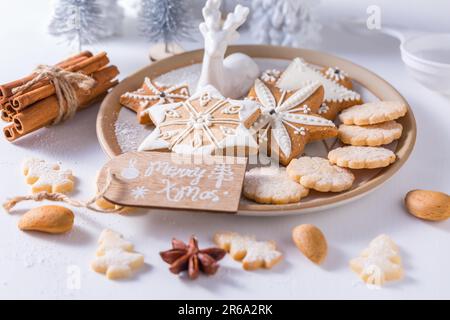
(152, 93)
(338, 75)
(337, 97)
(289, 120)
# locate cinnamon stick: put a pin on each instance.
(44, 112)
(6, 89)
(7, 112)
(87, 66)
(11, 134)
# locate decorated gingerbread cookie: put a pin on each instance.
(337, 97)
(288, 121)
(253, 254)
(338, 75)
(319, 174)
(150, 94)
(272, 185)
(49, 177)
(373, 113)
(362, 157)
(206, 123)
(371, 135)
(271, 76)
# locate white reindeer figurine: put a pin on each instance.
(235, 75)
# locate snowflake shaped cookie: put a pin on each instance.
(44, 176)
(378, 263)
(206, 123)
(288, 121)
(152, 93)
(337, 97)
(115, 256)
(253, 254)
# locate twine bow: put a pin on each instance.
(60, 197)
(65, 83)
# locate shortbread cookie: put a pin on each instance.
(373, 113)
(372, 135)
(115, 256)
(319, 174)
(378, 263)
(288, 121)
(272, 185)
(337, 97)
(206, 123)
(43, 176)
(338, 75)
(150, 94)
(253, 254)
(362, 157)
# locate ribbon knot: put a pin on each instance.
(66, 84)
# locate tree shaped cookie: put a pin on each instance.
(378, 263)
(337, 97)
(49, 177)
(288, 121)
(150, 94)
(253, 254)
(206, 123)
(115, 256)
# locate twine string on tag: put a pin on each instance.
(65, 83)
(60, 197)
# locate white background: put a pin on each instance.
(36, 266)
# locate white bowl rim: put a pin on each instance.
(422, 60)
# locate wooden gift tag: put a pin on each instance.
(169, 180)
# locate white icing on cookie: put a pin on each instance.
(45, 176)
(300, 73)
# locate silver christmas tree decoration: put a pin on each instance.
(284, 22)
(165, 21)
(84, 22)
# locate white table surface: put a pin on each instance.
(36, 266)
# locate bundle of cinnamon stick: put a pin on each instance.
(38, 106)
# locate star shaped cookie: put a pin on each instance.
(152, 93)
(206, 123)
(337, 97)
(338, 75)
(288, 121)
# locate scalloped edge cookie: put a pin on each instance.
(362, 157)
(372, 135)
(272, 185)
(319, 174)
(373, 113)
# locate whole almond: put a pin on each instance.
(428, 205)
(311, 242)
(48, 219)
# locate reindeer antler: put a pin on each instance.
(236, 19)
(212, 15)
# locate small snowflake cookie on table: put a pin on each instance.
(289, 120)
(337, 97)
(152, 93)
(319, 174)
(49, 177)
(272, 185)
(378, 263)
(253, 254)
(206, 123)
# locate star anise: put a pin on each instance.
(188, 257)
